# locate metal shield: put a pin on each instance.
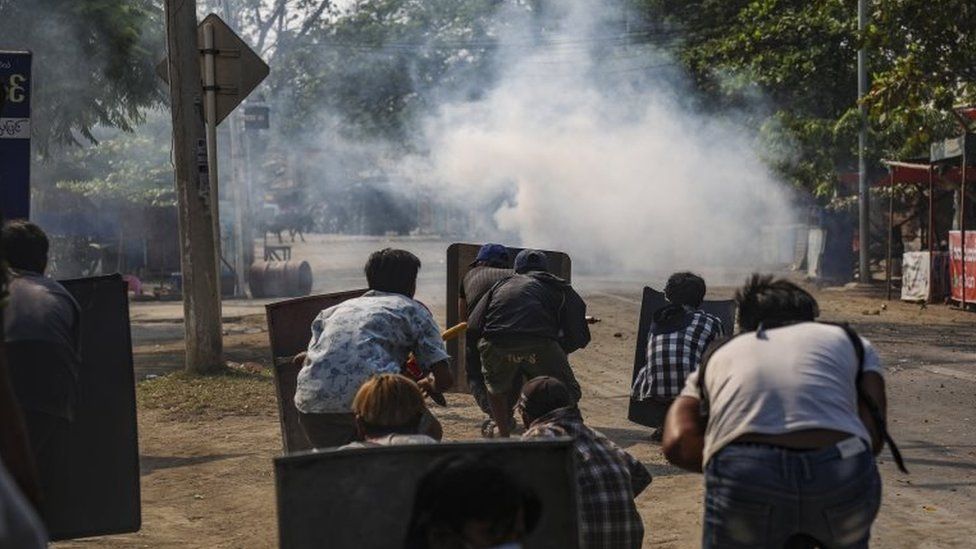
(289, 329)
(97, 478)
(364, 497)
(651, 413)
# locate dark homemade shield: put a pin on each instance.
(97, 478)
(651, 413)
(459, 259)
(364, 497)
(289, 329)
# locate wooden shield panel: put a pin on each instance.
(650, 413)
(459, 259)
(289, 329)
(96, 483)
(324, 496)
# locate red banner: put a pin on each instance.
(956, 265)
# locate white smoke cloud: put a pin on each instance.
(600, 155)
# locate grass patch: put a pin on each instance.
(191, 396)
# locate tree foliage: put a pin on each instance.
(378, 65)
(93, 62)
(123, 168)
(801, 57)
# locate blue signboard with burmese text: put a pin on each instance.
(15, 132)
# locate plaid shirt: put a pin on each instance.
(609, 479)
(673, 355)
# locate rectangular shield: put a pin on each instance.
(98, 477)
(364, 497)
(289, 329)
(651, 413)
(459, 259)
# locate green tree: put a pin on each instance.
(381, 63)
(801, 57)
(124, 167)
(93, 63)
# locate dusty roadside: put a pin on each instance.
(206, 467)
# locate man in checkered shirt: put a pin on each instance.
(679, 334)
(608, 478)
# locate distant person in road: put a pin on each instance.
(526, 326)
(608, 477)
(361, 337)
(390, 411)
(492, 264)
(41, 335)
(793, 409)
(466, 502)
(679, 334)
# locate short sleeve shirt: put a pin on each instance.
(792, 378)
(358, 338)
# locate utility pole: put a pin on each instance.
(863, 193)
(196, 197)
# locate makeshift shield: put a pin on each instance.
(364, 497)
(289, 329)
(459, 259)
(650, 413)
(96, 478)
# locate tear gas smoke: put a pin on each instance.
(597, 153)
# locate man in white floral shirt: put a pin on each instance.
(368, 335)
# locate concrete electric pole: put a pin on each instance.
(863, 193)
(196, 197)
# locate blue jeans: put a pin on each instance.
(765, 496)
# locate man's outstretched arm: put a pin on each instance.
(683, 442)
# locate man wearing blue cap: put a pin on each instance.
(526, 326)
(493, 263)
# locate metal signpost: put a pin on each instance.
(15, 133)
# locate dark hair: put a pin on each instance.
(462, 488)
(24, 245)
(771, 302)
(394, 271)
(685, 289)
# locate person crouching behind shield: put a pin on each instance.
(679, 334)
(527, 325)
(361, 337)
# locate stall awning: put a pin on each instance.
(913, 174)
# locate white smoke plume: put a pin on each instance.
(595, 151)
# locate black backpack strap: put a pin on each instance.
(879, 420)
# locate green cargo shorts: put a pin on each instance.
(503, 360)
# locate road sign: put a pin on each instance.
(15, 148)
(256, 117)
(238, 69)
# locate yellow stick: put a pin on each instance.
(454, 331)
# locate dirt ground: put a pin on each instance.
(207, 476)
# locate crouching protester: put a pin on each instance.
(492, 264)
(390, 411)
(679, 334)
(609, 478)
(368, 335)
(786, 419)
(526, 326)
